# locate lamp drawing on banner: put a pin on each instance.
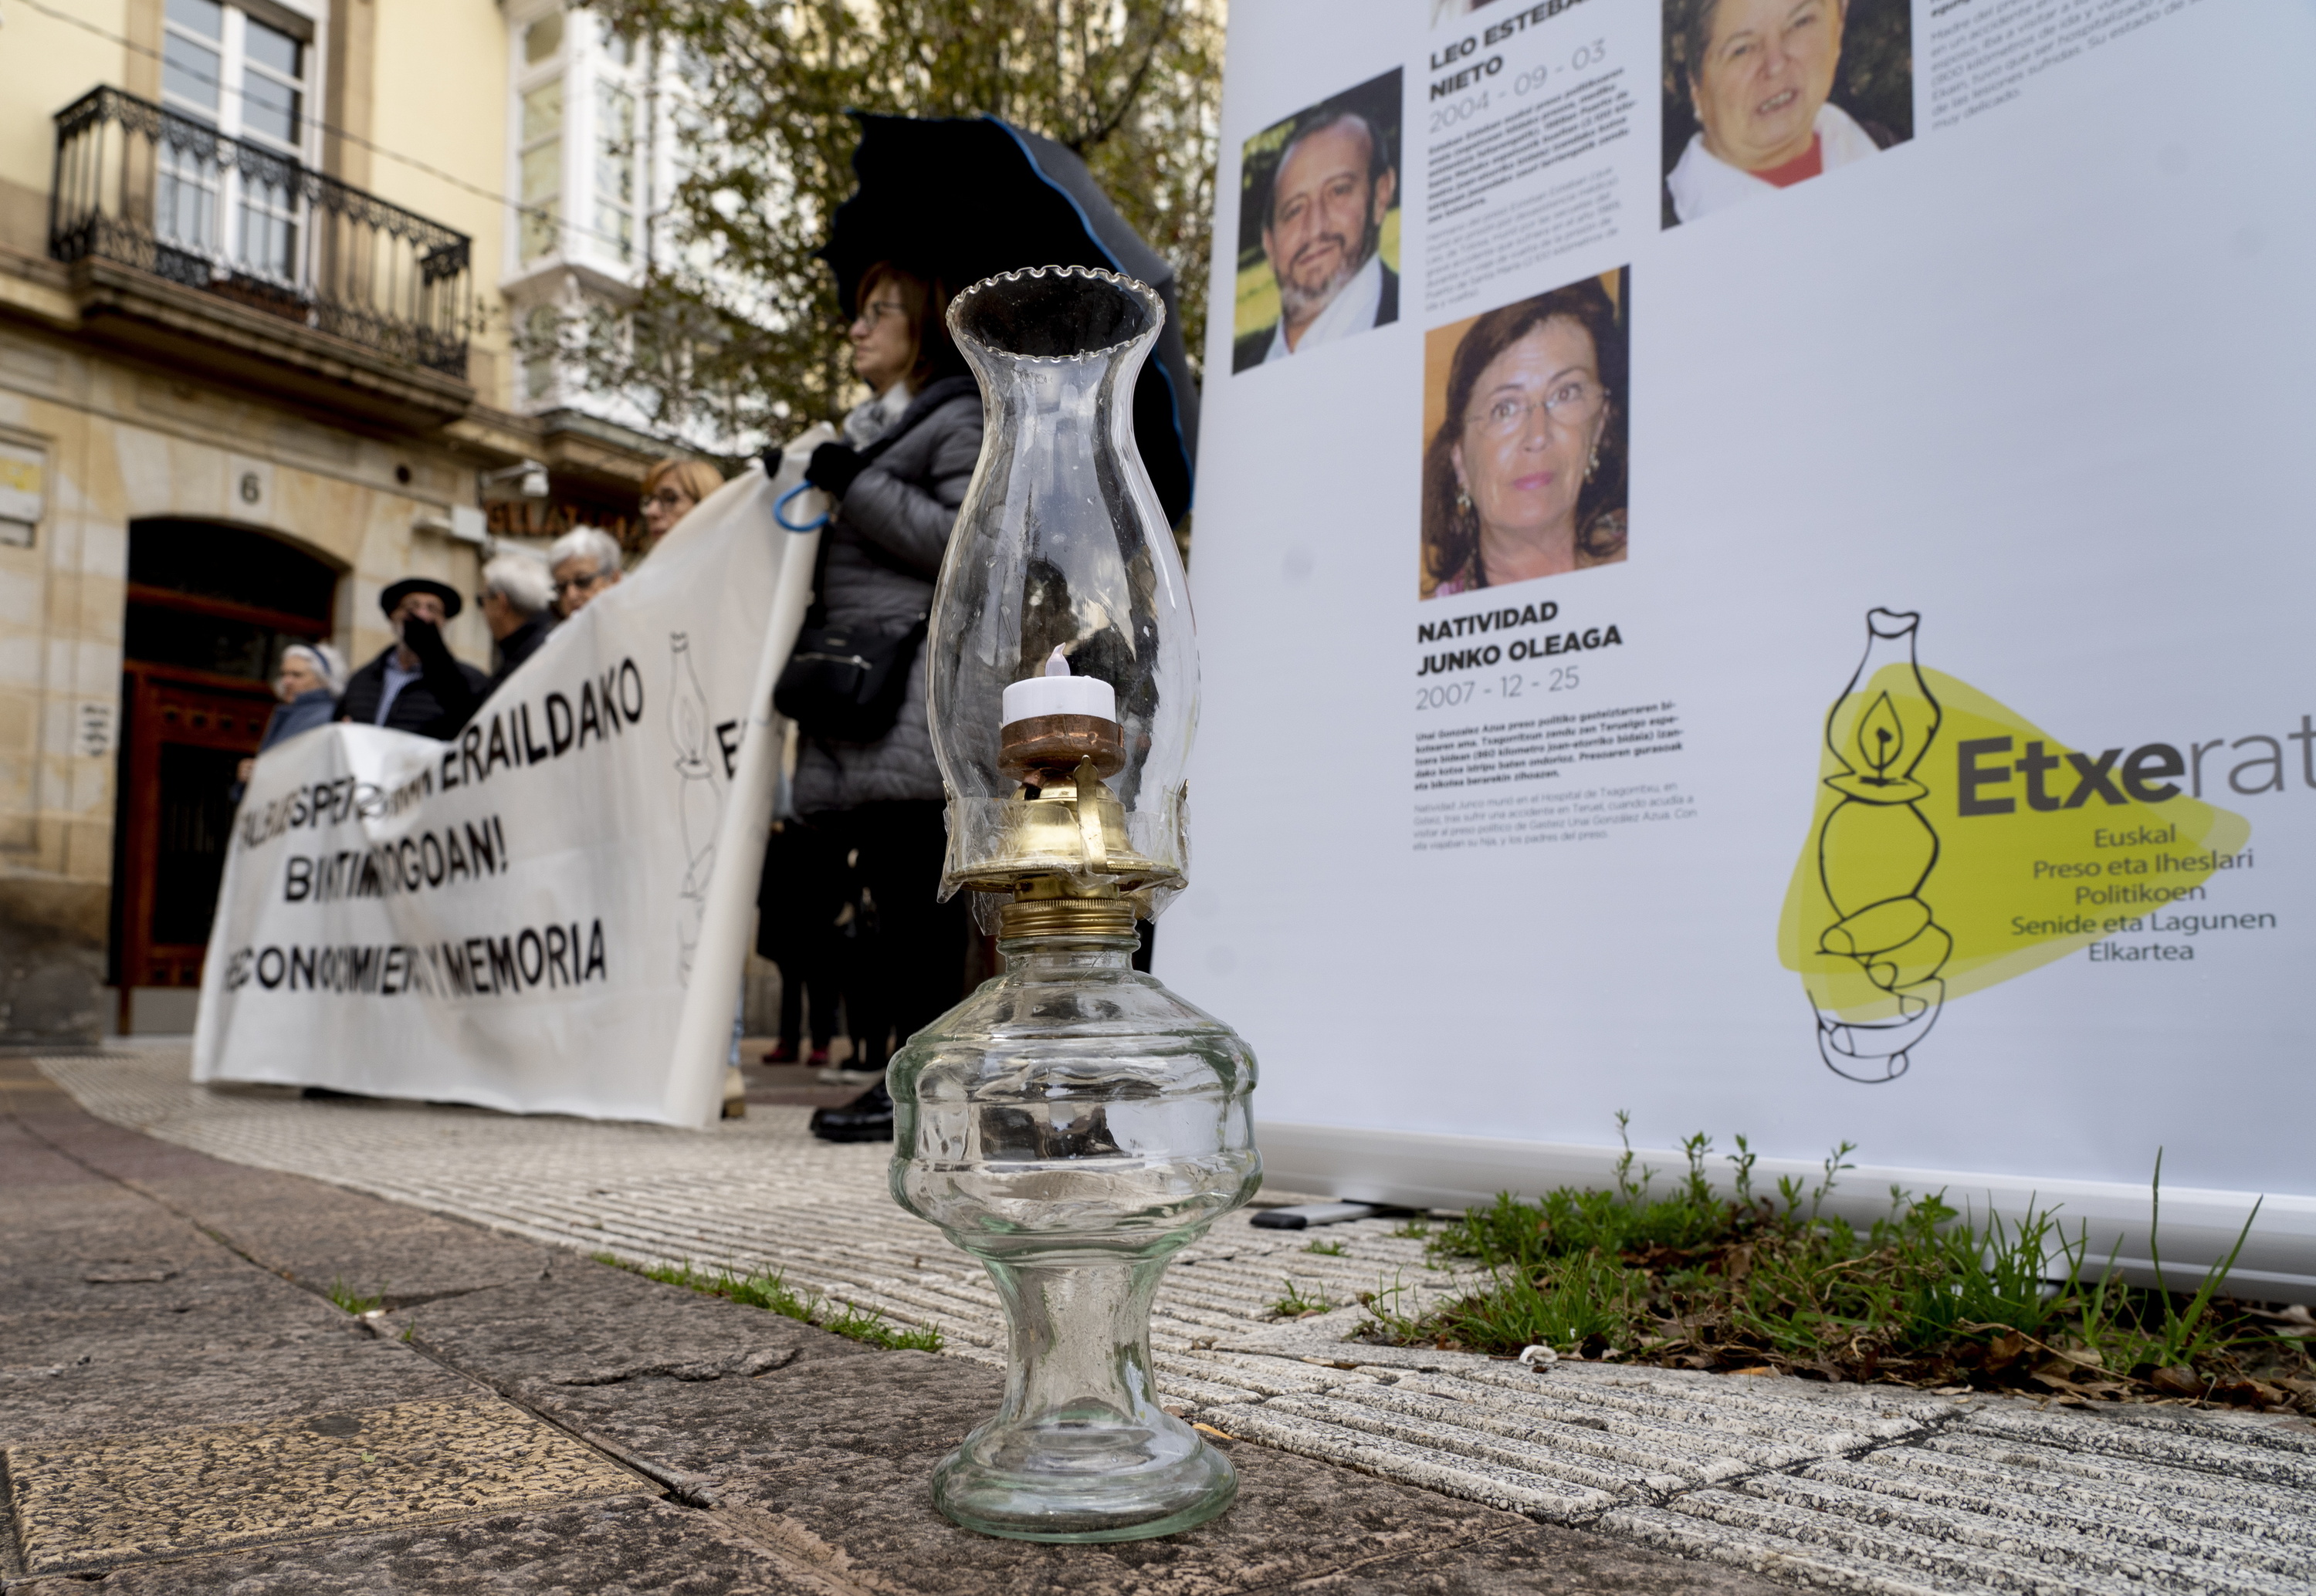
(1876, 851)
(1073, 1123)
(699, 796)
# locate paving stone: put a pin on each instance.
(210, 1316)
(1295, 1520)
(1576, 1561)
(618, 1547)
(153, 1493)
(1982, 1504)
(795, 1459)
(1867, 1489)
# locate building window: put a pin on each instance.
(538, 133)
(541, 368)
(248, 78)
(582, 143)
(615, 168)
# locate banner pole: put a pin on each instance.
(703, 1037)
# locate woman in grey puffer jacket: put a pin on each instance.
(896, 508)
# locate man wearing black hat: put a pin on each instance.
(415, 685)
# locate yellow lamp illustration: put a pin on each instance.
(1876, 851)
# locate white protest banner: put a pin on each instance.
(531, 916)
(1769, 544)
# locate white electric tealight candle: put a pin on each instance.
(1057, 692)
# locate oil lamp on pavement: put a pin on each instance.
(1073, 1124)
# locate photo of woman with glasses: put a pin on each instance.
(1524, 476)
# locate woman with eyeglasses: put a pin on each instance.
(1526, 476)
(897, 480)
(672, 490)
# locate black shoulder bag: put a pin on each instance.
(846, 683)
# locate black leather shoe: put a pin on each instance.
(867, 1118)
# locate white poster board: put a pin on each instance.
(546, 914)
(1555, 760)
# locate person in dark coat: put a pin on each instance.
(881, 801)
(310, 678)
(803, 892)
(518, 605)
(415, 685)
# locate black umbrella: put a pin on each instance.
(959, 199)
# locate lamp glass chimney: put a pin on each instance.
(1061, 543)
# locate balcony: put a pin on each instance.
(224, 254)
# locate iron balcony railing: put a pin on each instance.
(147, 188)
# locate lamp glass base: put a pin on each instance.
(1082, 1483)
(1075, 1125)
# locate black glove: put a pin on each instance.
(771, 459)
(423, 639)
(833, 466)
(438, 668)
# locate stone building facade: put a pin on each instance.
(259, 263)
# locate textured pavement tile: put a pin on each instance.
(618, 1547)
(2100, 1517)
(1456, 1427)
(156, 1493)
(1434, 1468)
(1896, 1548)
(824, 1447)
(2191, 1494)
(2266, 1456)
(1575, 1561)
(1776, 1557)
(2058, 1542)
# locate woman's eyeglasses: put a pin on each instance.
(874, 313)
(1570, 404)
(667, 499)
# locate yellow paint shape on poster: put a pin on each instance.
(1899, 900)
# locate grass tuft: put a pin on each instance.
(768, 1289)
(351, 1300)
(1327, 1249)
(1297, 1302)
(1684, 1274)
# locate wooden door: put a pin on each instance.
(186, 739)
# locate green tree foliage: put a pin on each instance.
(736, 334)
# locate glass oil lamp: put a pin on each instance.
(1073, 1124)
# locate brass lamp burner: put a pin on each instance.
(1063, 833)
(1042, 744)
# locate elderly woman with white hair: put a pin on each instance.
(518, 605)
(585, 562)
(310, 678)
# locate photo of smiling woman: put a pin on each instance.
(1762, 94)
(1524, 476)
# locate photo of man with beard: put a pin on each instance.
(1319, 226)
